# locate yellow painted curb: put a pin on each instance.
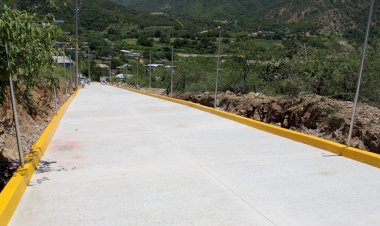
(336, 148)
(13, 191)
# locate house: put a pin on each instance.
(124, 66)
(102, 66)
(161, 61)
(58, 21)
(134, 55)
(121, 76)
(63, 61)
(153, 65)
(125, 51)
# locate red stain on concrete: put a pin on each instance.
(70, 145)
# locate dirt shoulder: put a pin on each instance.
(34, 116)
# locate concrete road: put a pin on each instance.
(121, 158)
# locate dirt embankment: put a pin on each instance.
(311, 114)
(34, 115)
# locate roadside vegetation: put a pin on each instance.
(274, 61)
(27, 47)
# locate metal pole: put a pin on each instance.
(54, 92)
(55, 99)
(137, 77)
(64, 71)
(76, 45)
(71, 75)
(217, 68)
(150, 72)
(89, 66)
(125, 74)
(15, 116)
(360, 73)
(172, 74)
(111, 71)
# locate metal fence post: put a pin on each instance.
(137, 76)
(150, 72)
(353, 116)
(89, 66)
(71, 75)
(64, 71)
(217, 69)
(55, 99)
(54, 89)
(172, 73)
(110, 71)
(15, 116)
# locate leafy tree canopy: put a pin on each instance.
(31, 45)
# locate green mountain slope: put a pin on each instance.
(322, 16)
(98, 15)
(107, 24)
(211, 9)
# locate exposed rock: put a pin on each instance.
(311, 114)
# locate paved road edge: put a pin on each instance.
(13, 191)
(336, 148)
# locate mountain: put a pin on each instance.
(98, 15)
(106, 24)
(322, 16)
(210, 9)
(327, 16)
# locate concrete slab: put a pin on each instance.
(120, 158)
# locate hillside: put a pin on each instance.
(106, 24)
(211, 9)
(323, 16)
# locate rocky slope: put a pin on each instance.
(311, 114)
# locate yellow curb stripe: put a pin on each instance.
(13, 191)
(336, 148)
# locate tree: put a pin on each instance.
(31, 46)
(145, 41)
(157, 34)
(164, 38)
(244, 69)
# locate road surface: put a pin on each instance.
(121, 158)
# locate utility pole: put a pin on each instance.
(76, 44)
(360, 73)
(217, 67)
(15, 116)
(172, 74)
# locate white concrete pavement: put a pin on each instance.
(121, 158)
